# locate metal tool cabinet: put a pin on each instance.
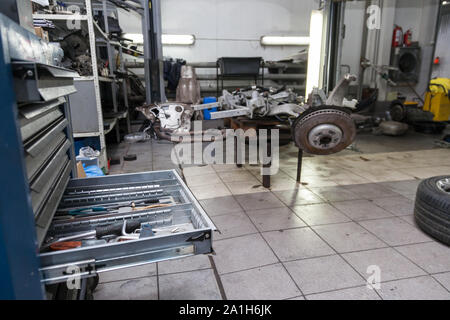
(37, 163)
(194, 238)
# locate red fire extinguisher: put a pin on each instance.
(407, 38)
(397, 37)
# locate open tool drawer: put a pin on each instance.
(179, 225)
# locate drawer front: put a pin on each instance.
(181, 226)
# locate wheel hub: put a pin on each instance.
(444, 185)
(325, 136)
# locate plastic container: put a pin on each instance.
(207, 112)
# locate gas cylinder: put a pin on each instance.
(407, 38)
(397, 37)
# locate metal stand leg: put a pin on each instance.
(266, 177)
(299, 164)
(239, 165)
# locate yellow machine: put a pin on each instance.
(437, 99)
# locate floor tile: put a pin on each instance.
(443, 279)
(370, 190)
(226, 167)
(402, 187)
(422, 288)
(382, 175)
(275, 219)
(359, 210)
(264, 283)
(317, 181)
(197, 170)
(427, 172)
(399, 206)
(433, 257)
(192, 263)
(194, 285)
(346, 237)
(298, 197)
(297, 298)
(220, 205)
(335, 193)
(323, 274)
(392, 264)
(232, 225)
(136, 289)
(409, 218)
(246, 187)
(235, 176)
(210, 191)
(278, 184)
(395, 231)
(322, 213)
(348, 178)
(242, 253)
(296, 244)
(358, 293)
(203, 179)
(260, 200)
(145, 270)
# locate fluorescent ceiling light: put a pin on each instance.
(444, 3)
(169, 39)
(284, 41)
(178, 39)
(314, 51)
(137, 38)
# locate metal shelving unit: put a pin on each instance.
(97, 38)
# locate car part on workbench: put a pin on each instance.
(321, 126)
(432, 207)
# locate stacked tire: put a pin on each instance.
(432, 207)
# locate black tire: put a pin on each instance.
(432, 209)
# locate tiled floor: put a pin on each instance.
(317, 240)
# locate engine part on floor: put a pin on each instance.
(397, 111)
(130, 157)
(432, 207)
(430, 127)
(136, 137)
(324, 130)
(393, 128)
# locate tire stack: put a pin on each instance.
(432, 208)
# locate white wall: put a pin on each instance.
(351, 44)
(417, 15)
(442, 48)
(229, 27)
